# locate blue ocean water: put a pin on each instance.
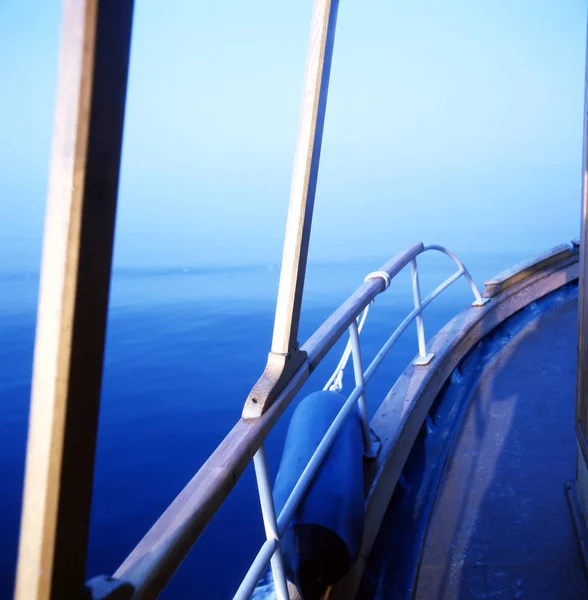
(184, 346)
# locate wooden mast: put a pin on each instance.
(73, 300)
(285, 356)
(579, 500)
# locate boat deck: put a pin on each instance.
(501, 527)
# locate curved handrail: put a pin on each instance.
(479, 300)
(153, 561)
(335, 382)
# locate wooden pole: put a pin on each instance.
(582, 366)
(578, 491)
(73, 300)
(285, 357)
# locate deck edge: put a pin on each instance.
(417, 388)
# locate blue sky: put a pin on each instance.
(453, 121)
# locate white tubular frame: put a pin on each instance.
(270, 551)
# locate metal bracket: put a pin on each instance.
(104, 587)
(375, 447)
(421, 361)
(278, 371)
(481, 302)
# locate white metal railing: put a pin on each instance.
(275, 528)
(153, 561)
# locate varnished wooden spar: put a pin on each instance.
(73, 301)
(578, 490)
(285, 356)
(582, 370)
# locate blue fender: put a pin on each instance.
(323, 539)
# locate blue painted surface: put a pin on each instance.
(323, 539)
(395, 559)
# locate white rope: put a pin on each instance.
(335, 383)
(379, 275)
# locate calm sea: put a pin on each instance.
(184, 346)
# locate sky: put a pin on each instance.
(456, 122)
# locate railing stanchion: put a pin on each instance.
(423, 358)
(479, 301)
(358, 373)
(270, 523)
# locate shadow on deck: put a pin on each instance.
(501, 527)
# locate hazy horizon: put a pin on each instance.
(458, 124)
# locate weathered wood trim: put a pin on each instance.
(401, 415)
(559, 255)
(75, 279)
